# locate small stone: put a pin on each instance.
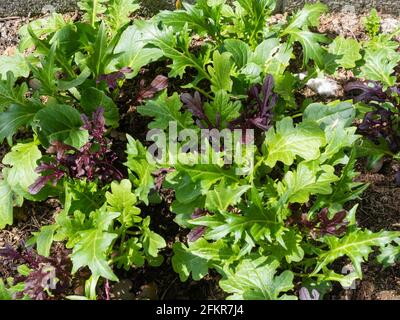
(348, 9)
(323, 86)
(389, 25)
(48, 8)
(122, 290)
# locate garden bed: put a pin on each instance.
(379, 207)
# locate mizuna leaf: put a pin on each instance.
(93, 9)
(62, 123)
(308, 16)
(10, 93)
(207, 175)
(356, 245)
(118, 12)
(16, 64)
(23, 161)
(390, 254)
(287, 142)
(91, 251)
(6, 204)
(198, 257)
(379, 67)
(254, 278)
(176, 47)
(221, 72)
(164, 110)
(122, 199)
(186, 263)
(348, 51)
(292, 250)
(311, 46)
(193, 16)
(298, 185)
(152, 242)
(221, 197)
(141, 168)
(253, 222)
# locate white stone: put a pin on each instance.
(323, 86)
(389, 25)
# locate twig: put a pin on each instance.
(10, 18)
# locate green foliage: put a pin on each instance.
(61, 123)
(372, 23)
(348, 51)
(380, 67)
(274, 219)
(287, 142)
(254, 279)
(18, 175)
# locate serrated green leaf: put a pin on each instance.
(221, 197)
(141, 168)
(312, 48)
(121, 199)
(348, 51)
(299, 184)
(308, 16)
(6, 204)
(379, 67)
(91, 251)
(292, 250)
(220, 72)
(22, 159)
(152, 242)
(255, 278)
(198, 257)
(390, 254)
(93, 9)
(287, 142)
(16, 64)
(176, 47)
(356, 245)
(164, 110)
(118, 12)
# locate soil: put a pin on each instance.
(379, 208)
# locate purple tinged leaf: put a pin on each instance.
(158, 84)
(113, 78)
(194, 104)
(196, 233)
(304, 294)
(258, 111)
(93, 161)
(366, 91)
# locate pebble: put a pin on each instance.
(323, 86)
(389, 25)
